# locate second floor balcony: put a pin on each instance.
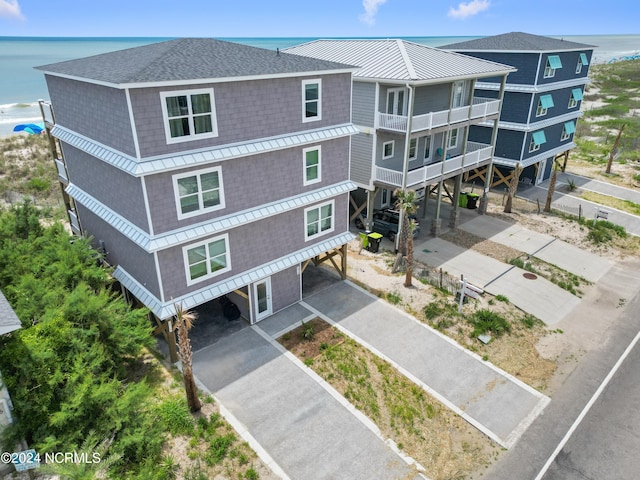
(480, 109)
(477, 154)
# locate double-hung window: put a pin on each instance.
(413, 147)
(453, 138)
(207, 259)
(311, 100)
(312, 165)
(387, 149)
(576, 96)
(198, 192)
(319, 220)
(189, 115)
(545, 102)
(553, 63)
(537, 139)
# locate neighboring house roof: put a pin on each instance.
(399, 60)
(9, 321)
(187, 59)
(517, 42)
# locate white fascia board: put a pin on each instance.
(165, 310)
(511, 162)
(159, 164)
(529, 127)
(526, 88)
(153, 243)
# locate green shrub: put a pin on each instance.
(393, 298)
(502, 298)
(307, 331)
(484, 321)
(218, 448)
(175, 416)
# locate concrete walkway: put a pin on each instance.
(569, 202)
(496, 403)
(298, 425)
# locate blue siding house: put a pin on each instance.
(204, 168)
(541, 104)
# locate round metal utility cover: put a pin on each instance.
(529, 276)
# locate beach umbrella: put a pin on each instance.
(31, 128)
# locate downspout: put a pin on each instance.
(405, 166)
(494, 137)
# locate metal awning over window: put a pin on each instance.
(569, 128)
(539, 137)
(576, 93)
(583, 59)
(546, 101)
(554, 61)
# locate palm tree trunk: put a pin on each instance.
(513, 187)
(409, 275)
(183, 325)
(552, 188)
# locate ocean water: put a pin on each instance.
(21, 85)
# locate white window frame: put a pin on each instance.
(320, 232)
(533, 146)
(564, 135)
(413, 141)
(452, 140)
(540, 111)
(459, 94)
(384, 201)
(548, 71)
(210, 274)
(305, 167)
(428, 148)
(579, 67)
(573, 103)
(384, 145)
(317, 117)
(395, 107)
(192, 135)
(201, 210)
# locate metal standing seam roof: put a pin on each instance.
(152, 243)
(517, 42)
(187, 59)
(9, 321)
(142, 167)
(399, 60)
(164, 310)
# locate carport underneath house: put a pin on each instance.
(257, 293)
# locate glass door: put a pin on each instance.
(262, 299)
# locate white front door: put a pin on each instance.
(396, 101)
(458, 94)
(262, 299)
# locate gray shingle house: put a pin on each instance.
(413, 106)
(541, 103)
(204, 168)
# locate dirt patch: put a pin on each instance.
(441, 441)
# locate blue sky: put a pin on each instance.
(322, 18)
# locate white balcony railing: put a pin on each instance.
(476, 154)
(481, 108)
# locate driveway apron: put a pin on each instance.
(493, 401)
(303, 428)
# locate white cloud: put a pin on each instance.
(469, 9)
(10, 9)
(370, 11)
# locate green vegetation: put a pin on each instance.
(617, 203)
(602, 231)
(487, 321)
(618, 84)
(80, 373)
(394, 298)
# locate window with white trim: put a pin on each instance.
(553, 63)
(579, 67)
(312, 165)
(189, 115)
(537, 139)
(544, 103)
(453, 138)
(318, 220)
(198, 192)
(207, 259)
(564, 135)
(396, 101)
(413, 147)
(427, 148)
(311, 100)
(540, 111)
(387, 149)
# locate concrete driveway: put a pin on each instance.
(299, 425)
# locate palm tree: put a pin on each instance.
(184, 322)
(551, 189)
(513, 187)
(405, 202)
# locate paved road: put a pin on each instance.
(606, 443)
(527, 459)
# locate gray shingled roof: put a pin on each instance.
(9, 321)
(517, 42)
(399, 60)
(187, 59)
